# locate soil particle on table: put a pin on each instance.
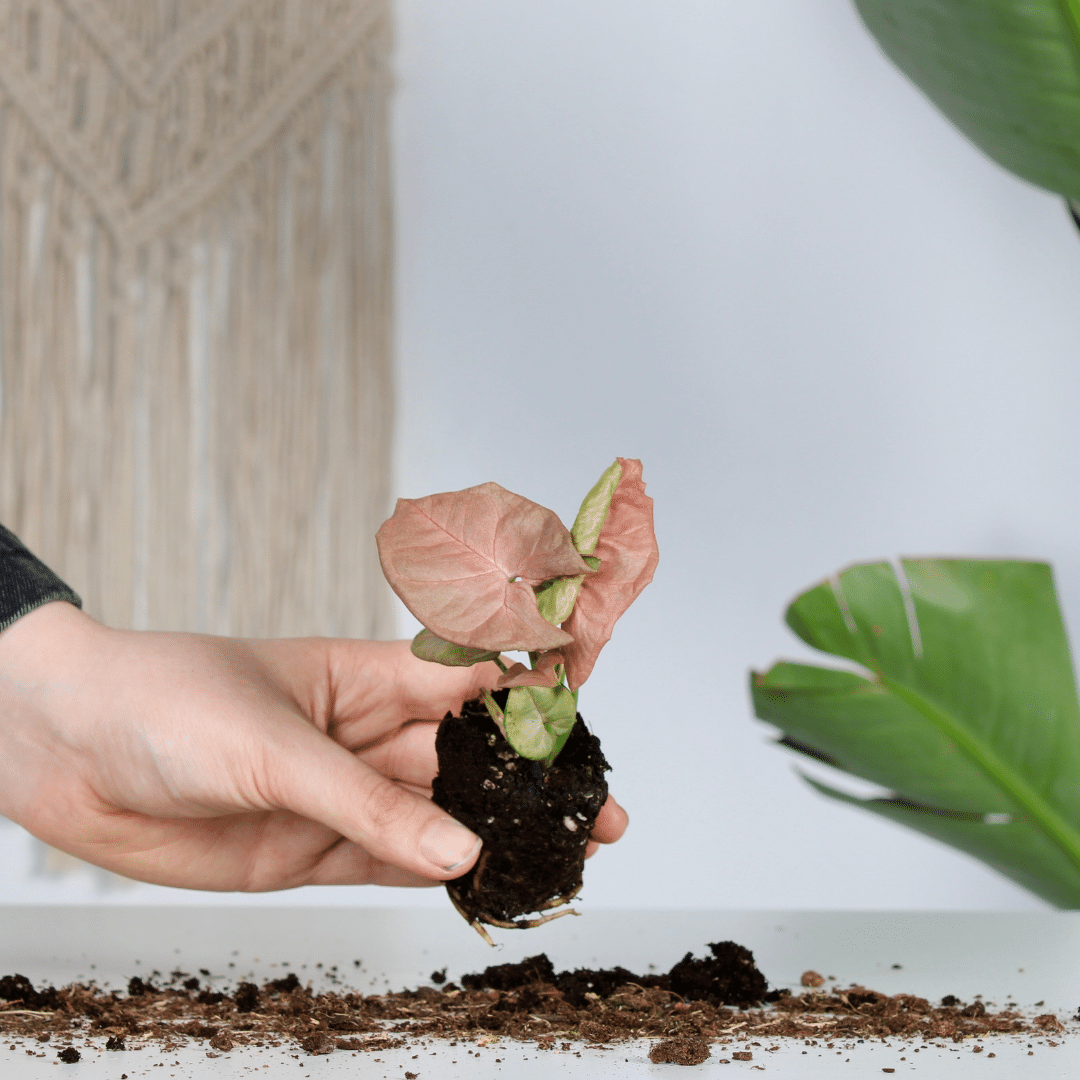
(720, 999)
(683, 1050)
(534, 822)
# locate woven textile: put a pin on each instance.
(25, 584)
(195, 369)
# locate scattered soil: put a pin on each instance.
(684, 1050)
(724, 1001)
(535, 822)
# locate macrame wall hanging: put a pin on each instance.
(195, 362)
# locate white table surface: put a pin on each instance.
(1032, 956)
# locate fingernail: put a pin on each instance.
(448, 844)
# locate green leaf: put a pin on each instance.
(970, 708)
(1005, 72)
(594, 510)
(1016, 849)
(538, 720)
(428, 646)
(555, 599)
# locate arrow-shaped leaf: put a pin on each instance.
(625, 544)
(969, 712)
(539, 719)
(465, 563)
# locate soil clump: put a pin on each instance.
(534, 822)
(680, 1051)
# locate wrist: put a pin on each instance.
(46, 658)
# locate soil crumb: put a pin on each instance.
(680, 1051)
(722, 998)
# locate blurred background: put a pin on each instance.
(730, 240)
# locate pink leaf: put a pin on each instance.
(628, 556)
(542, 675)
(465, 563)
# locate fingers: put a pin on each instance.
(246, 852)
(611, 822)
(429, 691)
(348, 864)
(408, 755)
(314, 777)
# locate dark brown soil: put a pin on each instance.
(534, 822)
(527, 1002)
(728, 977)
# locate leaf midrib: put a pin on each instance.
(1070, 12)
(1038, 809)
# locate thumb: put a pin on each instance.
(311, 775)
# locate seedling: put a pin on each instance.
(489, 572)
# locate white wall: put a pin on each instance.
(727, 238)
(730, 239)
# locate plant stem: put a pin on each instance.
(501, 666)
(494, 711)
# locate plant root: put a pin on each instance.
(559, 900)
(479, 928)
(525, 924)
(520, 924)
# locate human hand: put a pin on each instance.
(216, 763)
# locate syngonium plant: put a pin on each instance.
(489, 572)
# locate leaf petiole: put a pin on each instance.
(494, 711)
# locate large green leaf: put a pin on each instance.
(1016, 849)
(1005, 72)
(968, 711)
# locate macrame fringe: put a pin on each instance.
(196, 389)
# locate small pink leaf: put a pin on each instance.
(628, 556)
(465, 564)
(542, 675)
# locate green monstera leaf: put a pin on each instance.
(966, 712)
(1005, 72)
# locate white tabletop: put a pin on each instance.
(1027, 958)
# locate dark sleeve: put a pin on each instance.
(25, 583)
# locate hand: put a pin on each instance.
(215, 763)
